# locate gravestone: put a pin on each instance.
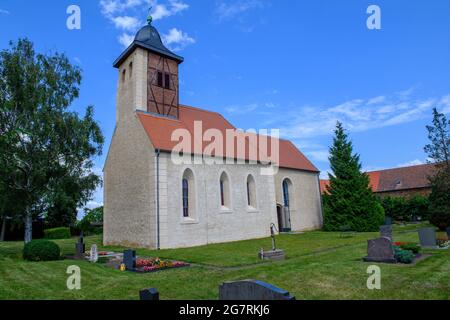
(80, 248)
(151, 294)
(93, 254)
(380, 250)
(448, 233)
(129, 259)
(387, 220)
(252, 290)
(427, 237)
(386, 231)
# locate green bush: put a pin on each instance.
(41, 250)
(57, 233)
(406, 210)
(403, 256)
(91, 217)
(440, 217)
(414, 248)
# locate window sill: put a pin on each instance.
(225, 210)
(252, 210)
(187, 221)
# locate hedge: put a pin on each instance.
(57, 233)
(404, 209)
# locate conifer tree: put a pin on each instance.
(439, 152)
(349, 201)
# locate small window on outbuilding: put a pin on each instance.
(130, 67)
(124, 74)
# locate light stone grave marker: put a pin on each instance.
(93, 254)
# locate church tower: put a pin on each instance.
(148, 76)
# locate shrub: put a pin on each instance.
(57, 233)
(402, 209)
(414, 248)
(91, 217)
(41, 250)
(440, 217)
(418, 208)
(403, 256)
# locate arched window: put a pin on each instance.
(251, 192)
(188, 194)
(284, 215)
(286, 193)
(185, 198)
(225, 191)
(124, 73)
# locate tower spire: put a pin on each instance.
(149, 17)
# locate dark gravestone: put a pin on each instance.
(380, 250)
(387, 220)
(151, 294)
(427, 237)
(448, 233)
(252, 290)
(129, 259)
(80, 248)
(386, 231)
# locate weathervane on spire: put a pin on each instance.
(149, 17)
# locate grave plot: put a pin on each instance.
(129, 261)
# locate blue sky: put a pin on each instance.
(294, 65)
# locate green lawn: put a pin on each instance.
(319, 265)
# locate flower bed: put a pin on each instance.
(409, 246)
(406, 252)
(156, 264)
(443, 243)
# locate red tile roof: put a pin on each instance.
(159, 130)
(406, 178)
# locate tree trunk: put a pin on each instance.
(28, 227)
(2, 235)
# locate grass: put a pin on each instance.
(319, 265)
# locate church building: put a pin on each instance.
(152, 201)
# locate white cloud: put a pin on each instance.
(111, 7)
(319, 155)
(376, 100)
(415, 162)
(239, 110)
(261, 108)
(444, 104)
(123, 14)
(126, 23)
(177, 40)
(357, 115)
(2, 11)
(226, 10)
(125, 39)
(161, 11)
